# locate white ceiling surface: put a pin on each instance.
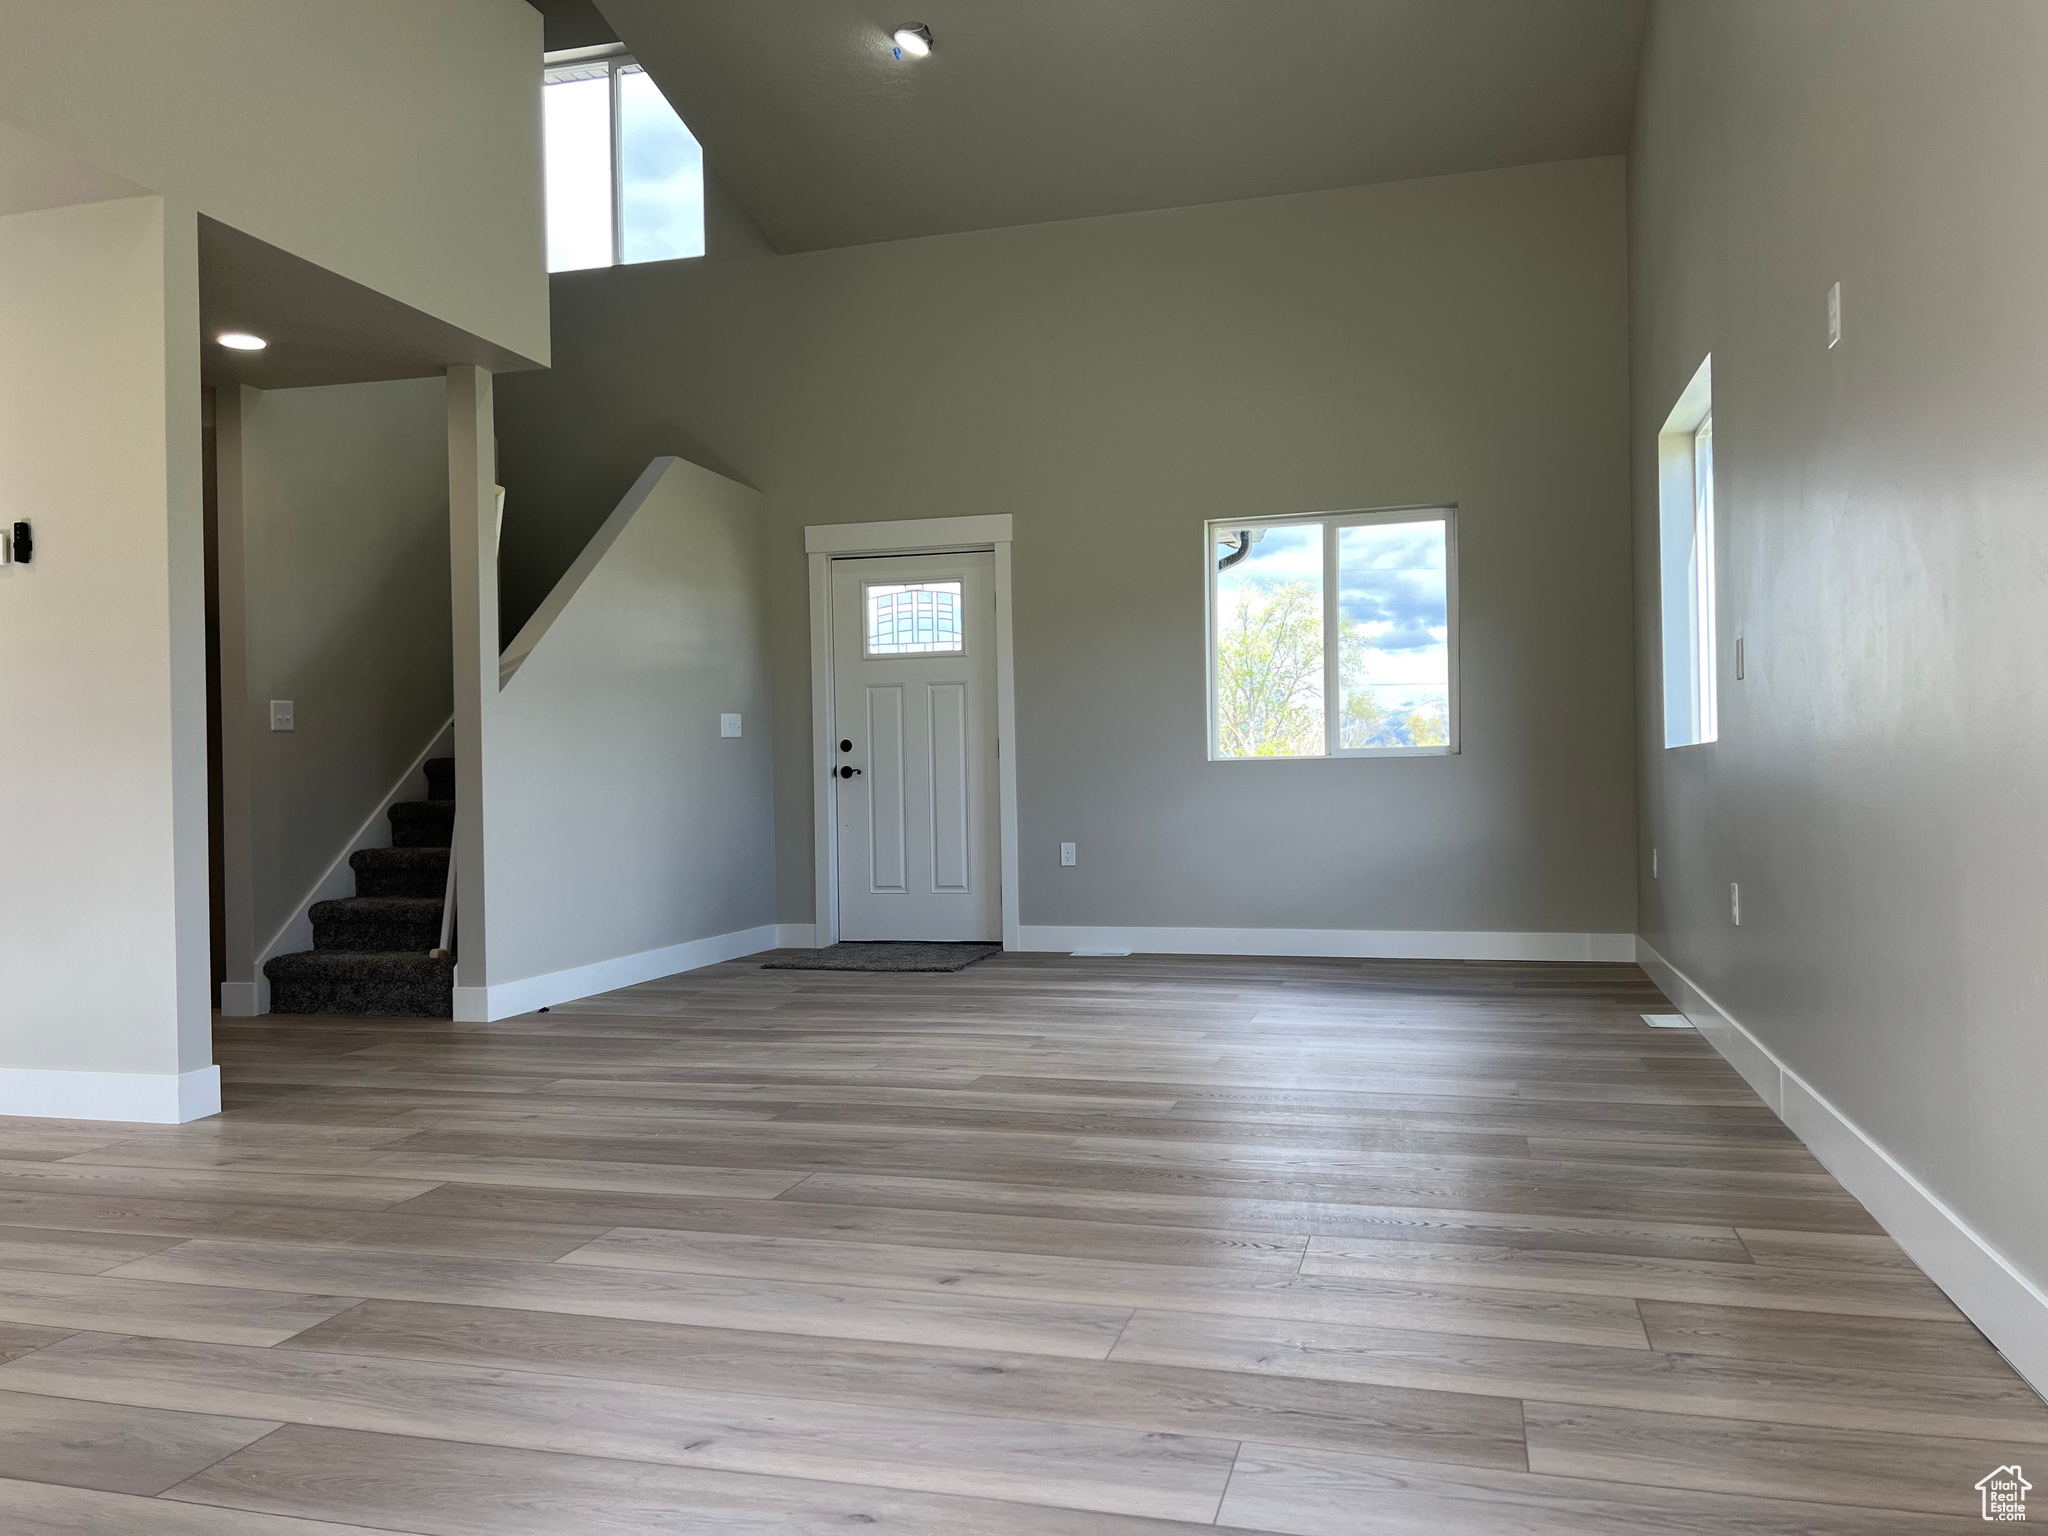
(1031, 110)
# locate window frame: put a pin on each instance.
(1706, 678)
(1688, 562)
(1331, 523)
(615, 57)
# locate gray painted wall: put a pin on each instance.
(619, 820)
(1113, 382)
(1878, 786)
(346, 603)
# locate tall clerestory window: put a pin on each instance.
(625, 177)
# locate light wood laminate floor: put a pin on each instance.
(1051, 1247)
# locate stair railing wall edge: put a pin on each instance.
(571, 581)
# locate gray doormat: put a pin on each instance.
(885, 957)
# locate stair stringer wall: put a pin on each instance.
(623, 837)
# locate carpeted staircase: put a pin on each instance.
(372, 952)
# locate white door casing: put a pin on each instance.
(914, 761)
(825, 542)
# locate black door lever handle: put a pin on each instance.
(847, 773)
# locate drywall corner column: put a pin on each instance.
(473, 570)
(103, 887)
(185, 558)
(243, 991)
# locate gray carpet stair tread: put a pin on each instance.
(402, 909)
(422, 823)
(400, 871)
(395, 924)
(344, 964)
(353, 982)
(435, 859)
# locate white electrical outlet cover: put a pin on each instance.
(1667, 1021)
(728, 725)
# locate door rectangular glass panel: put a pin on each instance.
(576, 111)
(1268, 628)
(661, 175)
(1393, 642)
(914, 618)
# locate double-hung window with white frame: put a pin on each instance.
(625, 177)
(1334, 635)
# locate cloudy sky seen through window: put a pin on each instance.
(1391, 581)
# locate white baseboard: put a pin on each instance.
(502, 1000)
(1335, 943)
(155, 1098)
(2010, 1309)
(796, 935)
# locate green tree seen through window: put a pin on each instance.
(1269, 680)
(1269, 672)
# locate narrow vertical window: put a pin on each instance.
(661, 175)
(625, 177)
(1268, 658)
(1393, 640)
(577, 116)
(1685, 489)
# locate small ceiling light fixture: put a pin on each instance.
(915, 41)
(241, 341)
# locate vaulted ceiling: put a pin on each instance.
(1030, 110)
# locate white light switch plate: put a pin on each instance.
(281, 715)
(728, 725)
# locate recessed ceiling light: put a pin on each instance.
(915, 41)
(241, 341)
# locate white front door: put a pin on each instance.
(914, 749)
